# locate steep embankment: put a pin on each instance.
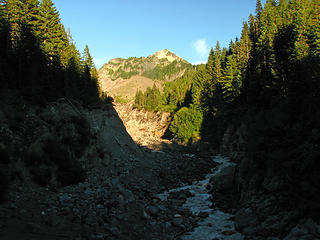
(145, 128)
(122, 78)
(274, 189)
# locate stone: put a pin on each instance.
(297, 232)
(99, 206)
(115, 231)
(312, 227)
(13, 206)
(245, 218)
(223, 181)
(177, 220)
(272, 183)
(228, 232)
(23, 211)
(203, 214)
(88, 191)
(153, 210)
(76, 210)
(65, 198)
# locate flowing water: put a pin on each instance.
(218, 224)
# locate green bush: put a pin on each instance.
(120, 99)
(186, 124)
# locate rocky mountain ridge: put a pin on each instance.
(123, 77)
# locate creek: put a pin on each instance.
(214, 223)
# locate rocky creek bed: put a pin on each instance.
(212, 223)
(107, 206)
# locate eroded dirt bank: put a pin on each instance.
(145, 128)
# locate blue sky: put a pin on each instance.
(135, 28)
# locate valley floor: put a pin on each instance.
(118, 198)
(151, 190)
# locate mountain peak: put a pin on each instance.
(122, 78)
(170, 56)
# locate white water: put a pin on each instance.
(217, 221)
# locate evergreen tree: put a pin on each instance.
(32, 15)
(5, 49)
(258, 8)
(211, 63)
(199, 83)
(89, 64)
(217, 68)
(15, 14)
(31, 60)
(87, 59)
(139, 101)
(53, 33)
(245, 47)
(70, 51)
(314, 28)
(231, 83)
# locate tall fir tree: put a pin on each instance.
(231, 83)
(89, 64)
(53, 33)
(87, 59)
(5, 49)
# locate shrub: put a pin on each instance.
(186, 124)
(120, 99)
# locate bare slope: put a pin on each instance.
(126, 88)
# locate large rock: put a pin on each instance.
(223, 181)
(273, 183)
(245, 220)
(304, 231)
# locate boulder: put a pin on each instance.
(177, 220)
(223, 181)
(153, 210)
(245, 220)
